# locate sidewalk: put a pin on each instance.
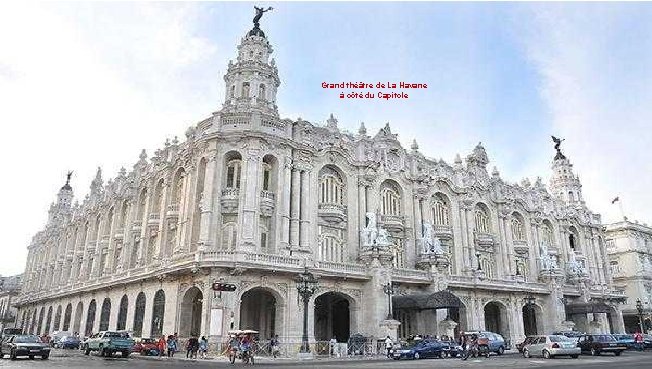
(180, 356)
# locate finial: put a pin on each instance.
(458, 159)
(415, 146)
(175, 141)
(331, 123)
(558, 142)
(362, 130)
(495, 173)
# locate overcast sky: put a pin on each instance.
(88, 85)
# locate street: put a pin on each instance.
(75, 359)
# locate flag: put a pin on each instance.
(614, 200)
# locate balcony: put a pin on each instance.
(119, 233)
(393, 222)
(267, 201)
(484, 240)
(173, 211)
(332, 213)
(136, 225)
(521, 247)
(230, 200)
(443, 232)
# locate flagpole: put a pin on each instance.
(620, 206)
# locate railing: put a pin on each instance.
(258, 258)
(410, 273)
(267, 195)
(340, 267)
(442, 230)
(173, 208)
(154, 218)
(231, 192)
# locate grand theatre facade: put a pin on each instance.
(251, 199)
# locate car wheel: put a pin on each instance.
(31, 357)
(526, 354)
(546, 354)
(594, 352)
(417, 356)
(45, 357)
(617, 353)
(501, 350)
(575, 356)
(87, 350)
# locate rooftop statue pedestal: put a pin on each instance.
(389, 327)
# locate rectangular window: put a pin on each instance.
(263, 240)
(266, 180)
(230, 174)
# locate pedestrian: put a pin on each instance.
(203, 347)
(161, 346)
(638, 341)
(464, 345)
(275, 346)
(193, 344)
(172, 345)
(388, 346)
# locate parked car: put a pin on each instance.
(570, 334)
(24, 345)
(68, 342)
(109, 342)
(492, 342)
(146, 346)
(451, 349)
(549, 346)
(56, 337)
(647, 340)
(420, 349)
(627, 340)
(595, 344)
(8, 332)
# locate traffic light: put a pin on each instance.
(217, 286)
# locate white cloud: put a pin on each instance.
(592, 68)
(71, 101)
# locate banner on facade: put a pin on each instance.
(216, 322)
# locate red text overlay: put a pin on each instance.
(378, 90)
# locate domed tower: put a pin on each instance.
(564, 184)
(251, 84)
(62, 207)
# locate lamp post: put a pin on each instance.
(306, 286)
(529, 301)
(639, 309)
(388, 289)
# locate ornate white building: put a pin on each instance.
(9, 291)
(251, 199)
(629, 246)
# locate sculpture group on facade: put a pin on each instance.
(431, 244)
(548, 262)
(574, 267)
(374, 235)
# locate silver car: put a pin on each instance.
(549, 346)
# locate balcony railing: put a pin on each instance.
(521, 247)
(230, 200)
(332, 212)
(393, 222)
(484, 240)
(154, 218)
(443, 231)
(349, 268)
(173, 210)
(267, 201)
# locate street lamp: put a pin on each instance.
(388, 289)
(306, 286)
(639, 308)
(529, 302)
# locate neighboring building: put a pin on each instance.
(629, 245)
(9, 291)
(250, 199)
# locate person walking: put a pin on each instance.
(464, 344)
(274, 345)
(638, 341)
(388, 346)
(172, 345)
(203, 347)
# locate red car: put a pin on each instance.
(146, 346)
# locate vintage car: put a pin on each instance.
(595, 344)
(68, 342)
(109, 342)
(146, 346)
(549, 346)
(420, 349)
(24, 345)
(627, 339)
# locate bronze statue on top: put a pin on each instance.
(558, 142)
(259, 14)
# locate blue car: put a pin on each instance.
(627, 339)
(68, 342)
(421, 349)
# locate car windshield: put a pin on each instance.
(559, 339)
(147, 340)
(604, 338)
(27, 339)
(623, 336)
(414, 344)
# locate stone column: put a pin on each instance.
(248, 219)
(115, 310)
(149, 309)
(467, 235)
(362, 209)
(294, 211)
(304, 229)
(206, 204)
(285, 197)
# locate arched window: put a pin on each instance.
(158, 197)
(517, 228)
(67, 316)
(398, 252)
(245, 89)
(158, 313)
(547, 236)
(261, 92)
(440, 210)
(179, 186)
(331, 247)
(269, 166)
(229, 236)
(266, 175)
(142, 203)
(487, 266)
(481, 219)
(331, 187)
(105, 314)
(122, 313)
(57, 319)
(139, 314)
(233, 171)
(125, 214)
(390, 199)
(573, 239)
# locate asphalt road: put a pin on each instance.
(75, 359)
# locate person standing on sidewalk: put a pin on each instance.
(388, 346)
(161, 346)
(172, 345)
(638, 341)
(464, 344)
(203, 347)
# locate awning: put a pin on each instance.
(422, 301)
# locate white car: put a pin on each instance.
(549, 346)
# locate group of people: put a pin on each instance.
(193, 346)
